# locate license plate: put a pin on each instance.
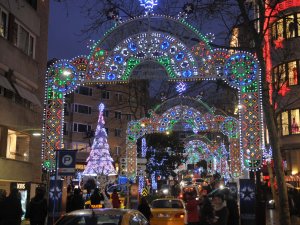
(163, 215)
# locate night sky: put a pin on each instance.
(65, 23)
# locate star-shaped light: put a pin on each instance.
(112, 13)
(188, 8)
(284, 90)
(279, 42)
(247, 193)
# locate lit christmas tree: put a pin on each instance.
(99, 162)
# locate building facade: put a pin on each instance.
(123, 103)
(23, 62)
(282, 55)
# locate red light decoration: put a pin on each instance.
(284, 90)
(279, 42)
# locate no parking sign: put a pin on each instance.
(66, 160)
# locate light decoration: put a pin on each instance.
(141, 184)
(144, 148)
(153, 181)
(148, 5)
(99, 161)
(181, 87)
(182, 61)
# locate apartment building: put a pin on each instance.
(23, 61)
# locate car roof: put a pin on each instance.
(101, 211)
(159, 199)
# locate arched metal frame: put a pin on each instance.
(183, 52)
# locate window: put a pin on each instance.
(117, 132)
(295, 117)
(33, 3)
(66, 109)
(292, 73)
(285, 123)
(84, 91)
(128, 117)
(65, 129)
(17, 146)
(287, 27)
(81, 128)
(106, 113)
(24, 40)
(119, 97)
(105, 94)
(107, 130)
(286, 73)
(82, 109)
(289, 123)
(3, 23)
(118, 115)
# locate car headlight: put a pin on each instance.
(165, 191)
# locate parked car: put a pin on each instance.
(103, 217)
(168, 211)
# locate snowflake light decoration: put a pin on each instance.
(181, 87)
(148, 5)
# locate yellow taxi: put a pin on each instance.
(168, 211)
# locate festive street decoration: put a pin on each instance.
(99, 161)
(184, 60)
(148, 5)
(181, 87)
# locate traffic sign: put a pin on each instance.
(145, 191)
(66, 161)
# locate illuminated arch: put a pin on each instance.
(240, 70)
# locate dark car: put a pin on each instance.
(103, 217)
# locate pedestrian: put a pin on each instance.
(115, 199)
(221, 210)
(192, 207)
(37, 208)
(96, 198)
(2, 198)
(207, 212)
(76, 200)
(12, 209)
(144, 208)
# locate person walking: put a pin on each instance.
(96, 198)
(221, 210)
(192, 207)
(76, 200)
(2, 198)
(37, 208)
(144, 208)
(12, 209)
(115, 199)
(207, 212)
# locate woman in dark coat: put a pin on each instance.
(76, 201)
(12, 209)
(144, 208)
(115, 199)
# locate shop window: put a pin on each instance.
(287, 27)
(295, 119)
(286, 73)
(3, 23)
(17, 146)
(285, 123)
(298, 24)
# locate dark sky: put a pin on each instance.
(65, 23)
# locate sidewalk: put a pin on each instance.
(272, 218)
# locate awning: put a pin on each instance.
(27, 95)
(5, 83)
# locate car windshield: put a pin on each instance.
(176, 204)
(84, 219)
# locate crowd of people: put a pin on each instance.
(11, 209)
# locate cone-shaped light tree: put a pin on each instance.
(100, 162)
